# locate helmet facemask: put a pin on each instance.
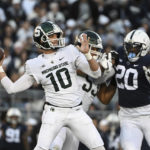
(95, 52)
(60, 40)
(133, 50)
(14, 120)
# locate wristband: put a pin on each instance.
(88, 56)
(1, 69)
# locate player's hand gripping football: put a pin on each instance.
(147, 72)
(115, 57)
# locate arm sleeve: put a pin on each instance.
(23, 83)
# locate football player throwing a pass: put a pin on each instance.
(55, 69)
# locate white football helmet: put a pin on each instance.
(136, 44)
(13, 112)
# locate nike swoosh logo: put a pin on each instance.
(61, 58)
(135, 65)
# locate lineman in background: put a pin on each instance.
(13, 132)
(55, 69)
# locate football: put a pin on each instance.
(1, 53)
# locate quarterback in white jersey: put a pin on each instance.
(66, 140)
(55, 70)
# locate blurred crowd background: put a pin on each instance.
(112, 19)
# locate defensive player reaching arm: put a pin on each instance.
(106, 92)
(109, 85)
(55, 69)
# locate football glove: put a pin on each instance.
(106, 61)
(147, 72)
(115, 57)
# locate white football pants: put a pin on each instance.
(54, 118)
(65, 140)
(132, 131)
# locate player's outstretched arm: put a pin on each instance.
(106, 93)
(84, 48)
(23, 83)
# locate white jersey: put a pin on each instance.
(90, 87)
(56, 73)
(89, 91)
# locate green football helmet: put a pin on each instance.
(43, 31)
(95, 42)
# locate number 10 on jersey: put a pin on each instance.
(60, 79)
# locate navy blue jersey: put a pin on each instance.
(12, 137)
(133, 87)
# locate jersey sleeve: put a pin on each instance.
(23, 83)
(29, 70)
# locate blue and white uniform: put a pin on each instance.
(134, 101)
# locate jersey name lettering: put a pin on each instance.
(55, 67)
